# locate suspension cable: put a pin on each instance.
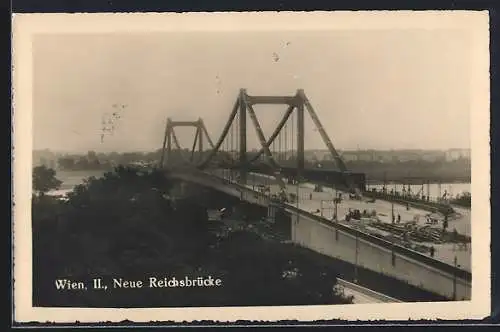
(226, 143)
(279, 147)
(274, 148)
(293, 136)
(237, 138)
(286, 141)
(232, 137)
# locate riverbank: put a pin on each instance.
(415, 182)
(72, 178)
(414, 172)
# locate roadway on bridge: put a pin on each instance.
(311, 201)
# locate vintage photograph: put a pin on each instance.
(253, 167)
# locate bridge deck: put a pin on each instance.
(444, 252)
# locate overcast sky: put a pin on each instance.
(371, 89)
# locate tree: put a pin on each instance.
(44, 180)
(260, 272)
(463, 199)
(82, 163)
(124, 224)
(92, 159)
(66, 163)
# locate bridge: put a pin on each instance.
(228, 167)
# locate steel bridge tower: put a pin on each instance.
(170, 137)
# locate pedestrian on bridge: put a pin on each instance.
(432, 251)
(445, 223)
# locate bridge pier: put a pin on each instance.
(271, 213)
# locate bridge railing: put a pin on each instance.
(417, 203)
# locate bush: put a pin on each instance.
(44, 180)
(463, 200)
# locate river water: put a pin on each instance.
(434, 189)
(73, 178)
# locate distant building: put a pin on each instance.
(454, 154)
(359, 155)
(44, 158)
(316, 154)
(388, 156)
(349, 156)
(432, 156)
(366, 156)
(409, 155)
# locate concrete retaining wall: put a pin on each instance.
(336, 243)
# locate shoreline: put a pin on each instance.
(414, 183)
(376, 180)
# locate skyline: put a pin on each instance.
(256, 149)
(359, 82)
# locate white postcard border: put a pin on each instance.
(25, 26)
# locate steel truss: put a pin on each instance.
(243, 106)
(170, 137)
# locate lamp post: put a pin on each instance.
(335, 211)
(294, 224)
(335, 202)
(384, 188)
(298, 193)
(356, 260)
(269, 184)
(392, 212)
(455, 279)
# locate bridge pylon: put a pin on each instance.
(298, 104)
(171, 138)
